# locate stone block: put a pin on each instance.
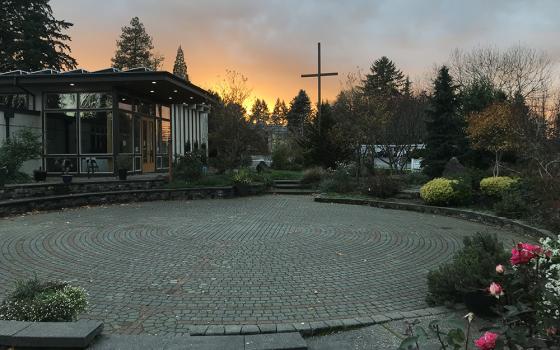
(57, 334)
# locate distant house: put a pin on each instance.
(87, 118)
(385, 154)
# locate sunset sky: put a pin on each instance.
(273, 41)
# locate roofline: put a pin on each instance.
(105, 77)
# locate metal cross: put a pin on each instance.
(318, 75)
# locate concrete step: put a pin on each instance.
(279, 182)
(58, 335)
(278, 341)
(290, 191)
(284, 185)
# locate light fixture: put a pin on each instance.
(153, 82)
(72, 84)
(152, 91)
(123, 99)
(192, 98)
(175, 91)
(170, 97)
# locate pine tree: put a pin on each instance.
(134, 48)
(180, 67)
(279, 113)
(299, 113)
(31, 38)
(445, 128)
(384, 79)
(259, 113)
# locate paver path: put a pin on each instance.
(158, 267)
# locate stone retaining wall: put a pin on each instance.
(56, 189)
(464, 214)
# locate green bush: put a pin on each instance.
(188, 167)
(381, 186)
(340, 180)
(511, 205)
(472, 268)
(37, 301)
(496, 186)
(22, 146)
(312, 176)
(242, 177)
(442, 191)
(287, 156)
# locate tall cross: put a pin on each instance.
(318, 75)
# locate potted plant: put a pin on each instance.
(39, 174)
(66, 177)
(242, 182)
(124, 164)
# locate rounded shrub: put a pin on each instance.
(442, 191)
(496, 186)
(312, 176)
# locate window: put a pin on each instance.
(96, 100)
(14, 101)
(165, 136)
(61, 132)
(125, 132)
(96, 132)
(165, 112)
(61, 101)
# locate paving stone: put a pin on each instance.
(250, 329)
(350, 322)
(318, 326)
(380, 318)
(285, 327)
(395, 315)
(277, 341)
(161, 266)
(215, 330)
(267, 328)
(197, 330)
(232, 329)
(365, 320)
(57, 334)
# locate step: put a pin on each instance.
(283, 185)
(286, 182)
(58, 335)
(278, 341)
(290, 191)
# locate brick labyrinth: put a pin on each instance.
(159, 267)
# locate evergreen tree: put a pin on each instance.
(279, 113)
(134, 48)
(445, 130)
(259, 113)
(31, 38)
(299, 113)
(384, 79)
(180, 67)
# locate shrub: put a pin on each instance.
(511, 205)
(22, 146)
(496, 186)
(381, 186)
(340, 180)
(242, 177)
(312, 176)
(188, 167)
(37, 301)
(472, 268)
(287, 156)
(442, 191)
(415, 178)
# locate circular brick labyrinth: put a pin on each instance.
(159, 267)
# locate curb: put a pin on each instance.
(464, 214)
(313, 327)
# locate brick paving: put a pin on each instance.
(160, 267)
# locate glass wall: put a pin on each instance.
(79, 132)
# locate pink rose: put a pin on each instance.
(487, 341)
(524, 253)
(496, 290)
(500, 269)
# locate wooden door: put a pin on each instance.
(148, 149)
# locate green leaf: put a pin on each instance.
(456, 337)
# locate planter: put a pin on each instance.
(480, 302)
(39, 175)
(67, 179)
(123, 174)
(242, 190)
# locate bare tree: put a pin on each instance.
(517, 70)
(233, 88)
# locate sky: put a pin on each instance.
(273, 42)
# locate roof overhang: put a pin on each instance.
(160, 86)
